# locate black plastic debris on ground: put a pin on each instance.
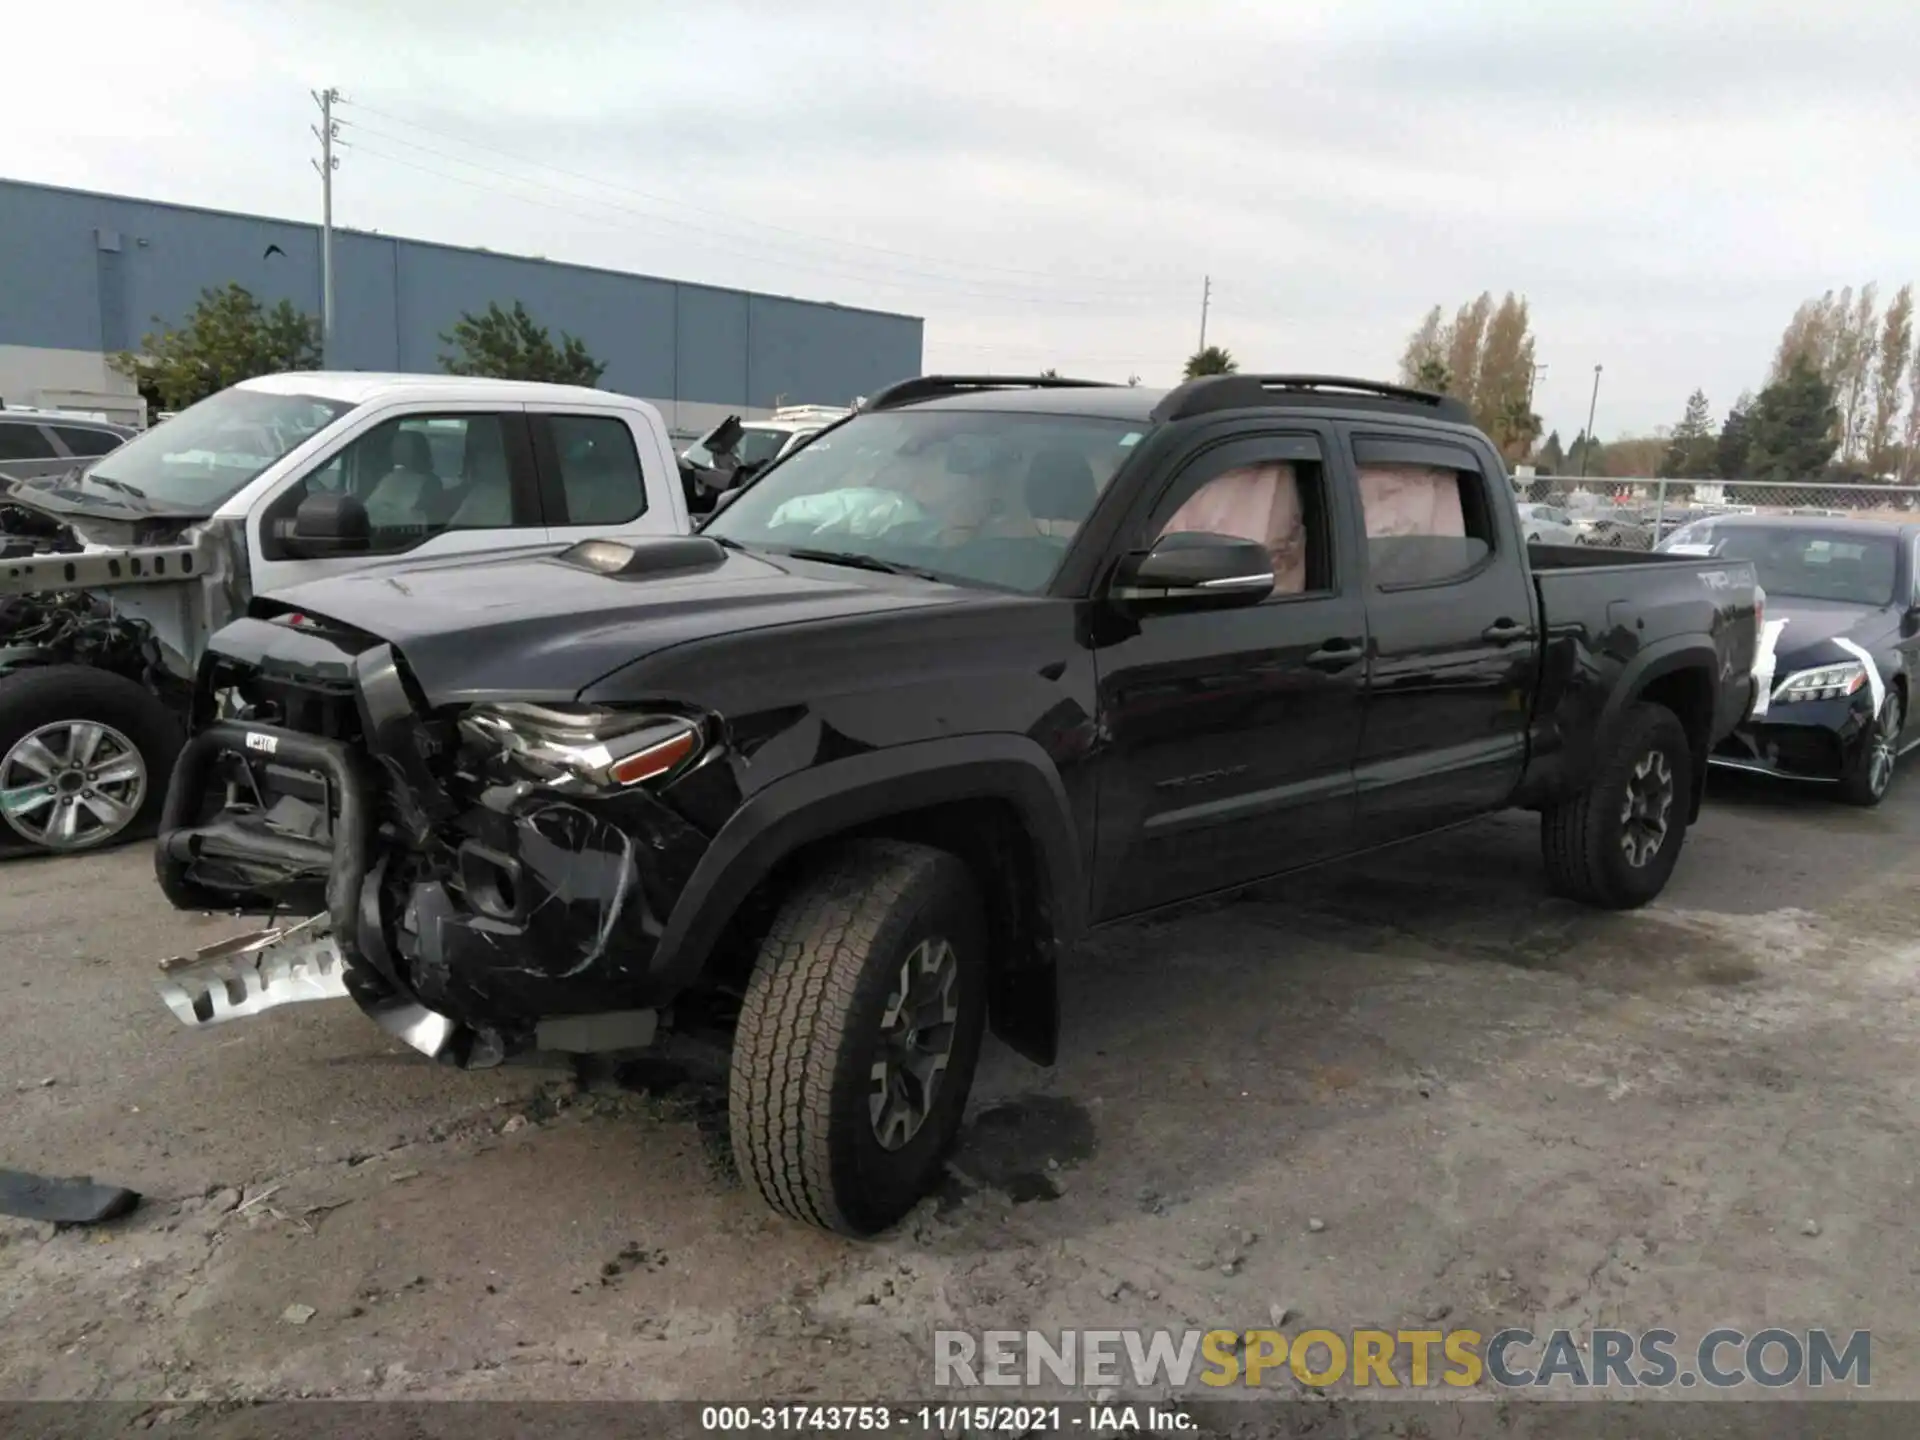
(65, 1202)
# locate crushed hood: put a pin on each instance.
(535, 627)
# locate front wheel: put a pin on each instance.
(1870, 777)
(84, 757)
(1615, 844)
(858, 1036)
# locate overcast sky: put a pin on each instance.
(1047, 182)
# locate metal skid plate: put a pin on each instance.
(254, 973)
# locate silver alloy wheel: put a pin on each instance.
(916, 1041)
(1885, 746)
(1643, 815)
(71, 785)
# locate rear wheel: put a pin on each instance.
(1616, 843)
(1868, 780)
(84, 757)
(858, 1036)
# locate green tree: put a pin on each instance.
(1050, 373)
(1736, 439)
(1552, 458)
(1211, 361)
(229, 337)
(1515, 428)
(1691, 448)
(508, 345)
(1793, 424)
(1432, 374)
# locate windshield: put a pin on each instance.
(1809, 564)
(757, 445)
(203, 455)
(971, 496)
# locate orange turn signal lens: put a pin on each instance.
(654, 760)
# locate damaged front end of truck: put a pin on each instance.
(83, 582)
(485, 878)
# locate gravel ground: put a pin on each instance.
(1412, 1087)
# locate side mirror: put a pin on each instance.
(1192, 569)
(329, 524)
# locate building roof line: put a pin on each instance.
(342, 230)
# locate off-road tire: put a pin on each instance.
(1859, 786)
(1580, 838)
(45, 695)
(807, 1037)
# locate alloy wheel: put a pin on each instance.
(917, 1028)
(1885, 746)
(1643, 815)
(71, 785)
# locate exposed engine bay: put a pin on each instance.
(481, 875)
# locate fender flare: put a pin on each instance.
(844, 794)
(1656, 662)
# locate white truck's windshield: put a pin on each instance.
(195, 461)
(758, 444)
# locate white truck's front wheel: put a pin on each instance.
(84, 757)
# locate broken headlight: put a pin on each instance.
(1829, 682)
(585, 747)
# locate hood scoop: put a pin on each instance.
(646, 558)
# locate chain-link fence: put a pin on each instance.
(1638, 514)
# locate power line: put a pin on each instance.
(827, 266)
(1026, 301)
(1134, 284)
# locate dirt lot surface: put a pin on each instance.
(1410, 1090)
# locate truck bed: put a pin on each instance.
(1612, 615)
(1588, 557)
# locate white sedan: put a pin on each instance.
(1550, 525)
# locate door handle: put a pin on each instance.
(1503, 630)
(1335, 655)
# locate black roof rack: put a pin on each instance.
(932, 387)
(1246, 392)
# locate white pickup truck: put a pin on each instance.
(113, 574)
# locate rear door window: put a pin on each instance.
(597, 469)
(22, 440)
(82, 440)
(1428, 518)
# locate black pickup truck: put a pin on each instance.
(986, 664)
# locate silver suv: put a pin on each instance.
(46, 442)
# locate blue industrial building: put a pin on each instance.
(83, 275)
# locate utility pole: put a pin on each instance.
(1533, 376)
(1206, 296)
(1592, 405)
(327, 132)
